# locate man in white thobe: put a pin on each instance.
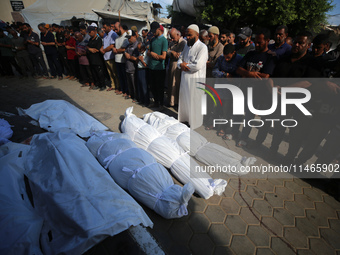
(192, 62)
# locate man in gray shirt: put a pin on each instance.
(131, 54)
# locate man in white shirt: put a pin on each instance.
(192, 62)
(109, 57)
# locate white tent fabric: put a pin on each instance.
(137, 171)
(20, 225)
(167, 152)
(54, 115)
(52, 11)
(77, 198)
(208, 153)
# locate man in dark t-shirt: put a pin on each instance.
(62, 55)
(258, 64)
(32, 42)
(280, 48)
(96, 59)
(244, 44)
(48, 41)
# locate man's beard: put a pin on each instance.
(244, 43)
(191, 42)
(212, 43)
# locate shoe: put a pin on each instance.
(241, 144)
(45, 77)
(102, 89)
(227, 137)
(93, 87)
(220, 133)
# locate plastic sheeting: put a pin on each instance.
(189, 7)
(208, 153)
(77, 198)
(20, 225)
(52, 11)
(167, 152)
(5, 131)
(137, 171)
(55, 115)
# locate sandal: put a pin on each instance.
(209, 127)
(220, 133)
(109, 89)
(127, 97)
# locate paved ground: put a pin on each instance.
(255, 215)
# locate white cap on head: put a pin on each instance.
(194, 27)
(93, 25)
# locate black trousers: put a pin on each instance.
(157, 80)
(53, 63)
(62, 56)
(122, 77)
(331, 149)
(85, 73)
(25, 63)
(39, 63)
(130, 78)
(98, 75)
(72, 65)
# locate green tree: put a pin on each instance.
(296, 14)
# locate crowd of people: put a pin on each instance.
(160, 66)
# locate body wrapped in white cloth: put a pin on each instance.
(167, 152)
(136, 170)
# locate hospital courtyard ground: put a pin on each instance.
(255, 214)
